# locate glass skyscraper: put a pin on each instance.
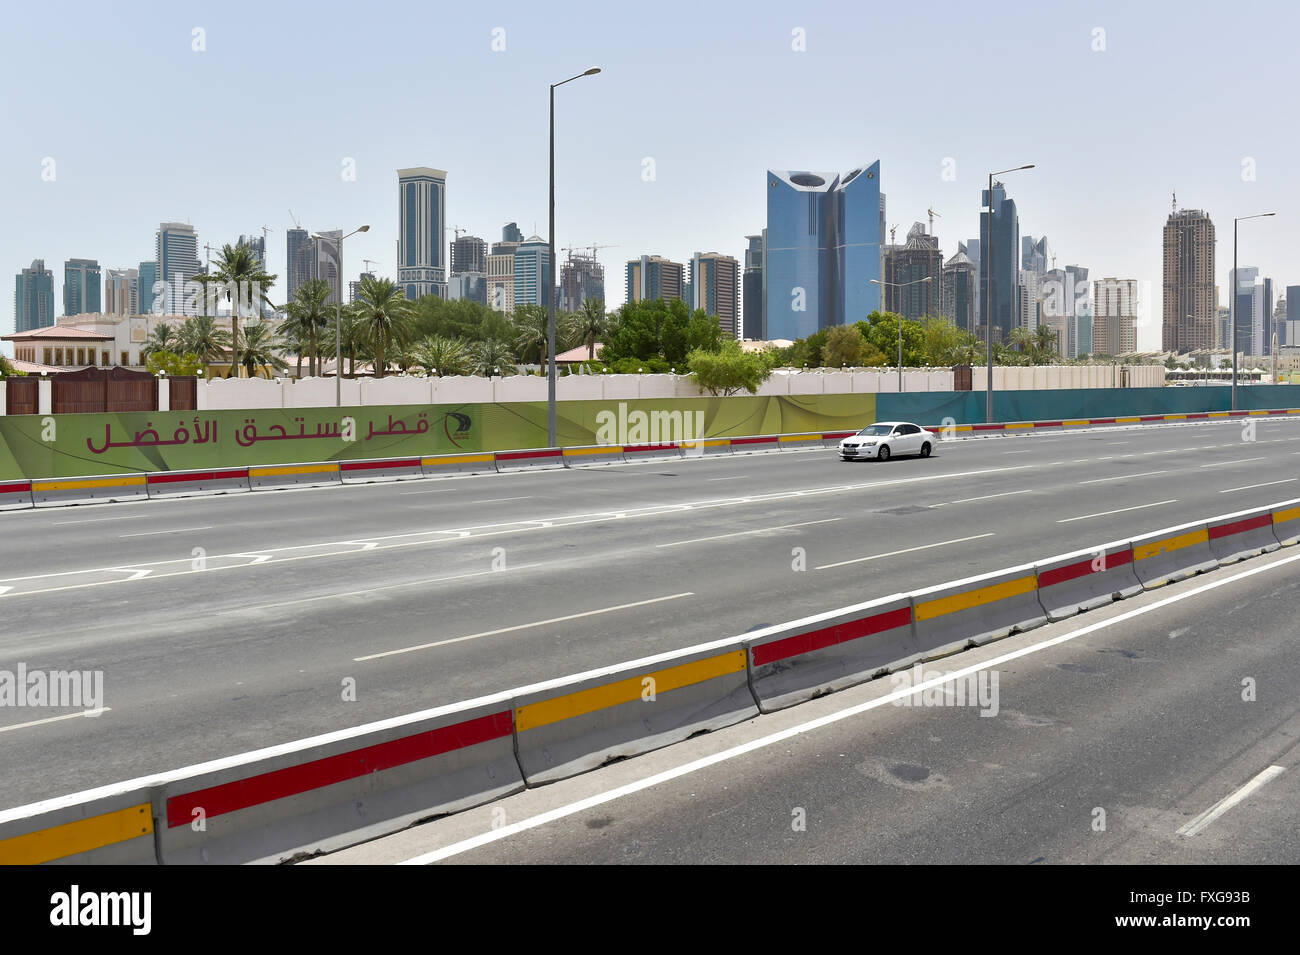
(1001, 307)
(81, 278)
(177, 248)
(422, 211)
(33, 297)
(532, 272)
(148, 300)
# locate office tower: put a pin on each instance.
(510, 233)
(149, 297)
(422, 209)
(752, 298)
(581, 278)
(1290, 334)
(957, 298)
(999, 272)
(1116, 308)
(33, 297)
(1188, 286)
(1084, 333)
(1222, 326)
(532, 273)
(652, 277)
(714, 284)
(81, 278)
(469, 287)
(906, 268)
(121, 292)
(972, 249)
(468, 254)
(356, 284)
(177, 253)
(1244, 287)
(1074, 309)
(1034, 254)
(822, 248)
(1262, 325)
(257, 243)
(299, 257)
(327, 263)
(1029, 299)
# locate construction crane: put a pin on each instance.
(458, 230)
(582, 248)
(367, 262)
(296, 223)
(892, 229)
(931, 213)
(265, 230)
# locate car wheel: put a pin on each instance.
(925, 450)
(883, 453)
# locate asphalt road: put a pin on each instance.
(518, 578)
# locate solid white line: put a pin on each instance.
(1026, 451)
(967, 500)
(1122, 477)
(1251, 486)
(1219, 464)
(830, 719)
(738, 477)
(761, 530)
(173, 530)
(858, 560)
(101, 520)
(1223, 805)
(1120, 511)
(522, 626)
(498, 500)
(54, 719)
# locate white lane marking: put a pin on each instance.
(55, 719)
(171, 530)
(437, 490)
(967, 500)
(1122, 477)
(859, 560)
(820, 722)
(498, 500)
(1226, 803)
(1026, 451)
(101, 520)
(738, 477)
(761, 530)
(1120, 511)
(1219, 464)
(523, 626)
(1252, 486)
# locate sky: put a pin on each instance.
(117, 117)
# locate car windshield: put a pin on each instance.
(877, 430)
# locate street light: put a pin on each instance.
(550, 282)
(338, 321)
(1233, 303)
(900, 321)
(987, 253)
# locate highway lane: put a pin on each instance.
(1167, 734)
(209, 663)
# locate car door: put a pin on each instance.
(911, 441)
(898, 440)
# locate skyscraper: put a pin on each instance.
(752, 297)
(652, 277)
(177, 249)
(149, 297)
(581, 278)
(81, 278)
(468, 254)
(327, 264)
(422, 209)
(298, 259)
(958, 294)
(999, 272)
(532, 272)
(1189, 307)
(1116, 308)
(906, 268)
(33, 297)
(122, 292)
(713, 282)
(257, 243)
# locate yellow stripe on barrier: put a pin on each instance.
(1294, 411)
(1020, 424)
(801, 437)
(964, 427)
(566, 707)
(1290, 514)
(80, 485)
(1218, 414)
(1127, 420)
(717, 443)
(293, 469)
(70, 838)
(1190, 539)
(973, 598)
(1075, 424)
(603, 449)
(1175, 417)
(1256, 414)
(455, 459)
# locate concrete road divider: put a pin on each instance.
(387, 469)
(799, 661)
(769, 442)
(88, 490)
(569, 726)
(442, 465)
(1086, 579)
(108, 826)
(1173, 554)
(533, 458)
(1286, 522)
(15, 495)
(592, 455)
(701, 447)
(187, 483)
(976, 610)
(798, 442)
(1249, 533)
(833, 439)
(339, 789)
(294, 475)
(650, 452)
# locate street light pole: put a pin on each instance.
(900, 321)
(550, 282)
(987, 254)
(338, 321)
(1233, 303)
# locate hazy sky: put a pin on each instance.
(1118, 104)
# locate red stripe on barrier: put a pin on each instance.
(1203, 414)
(1278, 411)
(1152, 417)
(179, 477)
(1101, 421)
(376, 465)
(987, 427)
(1061, 575)
(1240, 527)
(292, 780)
(634, 448)
(16, 487)
(517, 455)
(830, 636)
(771, 440)
(840, 434)
(1237, 414)
(1047, 424)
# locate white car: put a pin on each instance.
(887, 439)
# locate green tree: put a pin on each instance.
(1044, 345)
(443, 356)
(244, 283)
(7, 370)
(383, 311)
(493, 356)
(881, 330)
(163, 337)
(944, 344)
(309, 314)
(729, 369)
(172, 364)
(590, 322)
(199, 334)
(844, 346)
(260, 348)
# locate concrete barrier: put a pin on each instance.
(769, 442)
(108, 826)
(651, 452)
(1286, 522)
(15, 495)
(833, 439)
(340, 789)
(1173, 554)
(194, 483)
(530, 459)
(592, 455)
(808, 658)
(1248, 533)
(442, 465)
(386, 469)
(294, 475)
(88, 490)
(798, 442)
(976, 610)
(705, 447)
(569, 726)
(1086, 579)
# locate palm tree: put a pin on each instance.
(199, 334)
(162, 338)
(443, 356)
(261, 349)
(1045, 343)
(1022, 339)
(241, 274)
(589, 322)
(493, 355)
(383, 311)
(308, 313)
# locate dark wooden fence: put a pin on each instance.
(20, 395)
(961, 375)
(104, 389)
(184, 393)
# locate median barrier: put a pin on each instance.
(833, 439)
(529, 459)
(798, 442)
(385, 469)
(976, 610)
(194, 483)
(800, 661)
(705, 447)
(337, 790)
(768, 442)
(592, 455)
(1286, 522)
(15, 495)
(294, 475)
(1173, 554)
(573, 725)
(89, 490)
(441, 465)
(108, 826)
(651, 452)
(1086, 579)
(1248, 533)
